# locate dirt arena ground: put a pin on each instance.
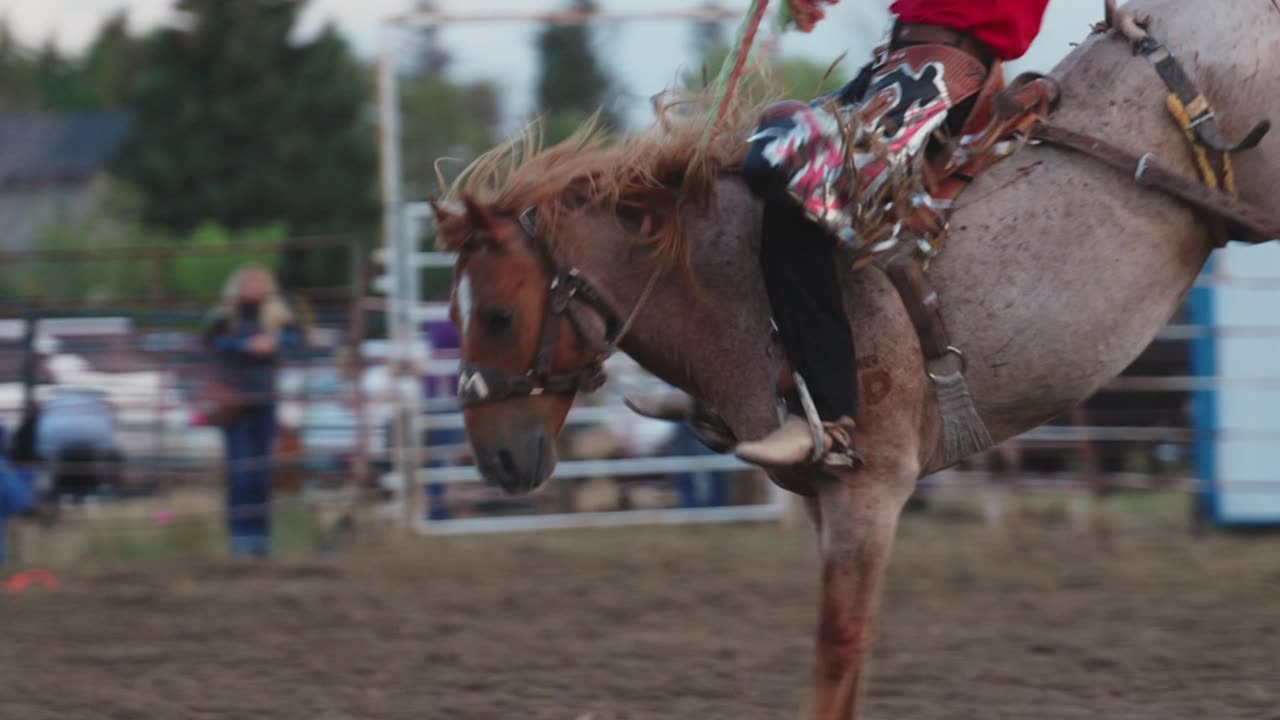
(656, 623)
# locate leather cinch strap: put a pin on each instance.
(922, 305)
(1245, 219)
(1150, 173)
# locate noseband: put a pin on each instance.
(480, 385)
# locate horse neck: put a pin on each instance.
(713, 340)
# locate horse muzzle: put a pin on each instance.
(519, 466)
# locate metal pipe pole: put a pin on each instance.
(29, 363)
(389, 159)
(413, 218)
(355, 344)
(565, 17)
(392, 242)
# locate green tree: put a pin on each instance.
(111, 221)
(442, 119)
(56, 78)
(709, 35)
(332, 146)
(431, 56)
(794, 77)
(111, 64)
(237, 123)
(18, 87)
(328, 141)
(46, 79)
(203, 276)
(572, 84)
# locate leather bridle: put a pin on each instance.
(480, 385)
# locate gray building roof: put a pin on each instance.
(46, 148)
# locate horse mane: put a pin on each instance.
(647, 176)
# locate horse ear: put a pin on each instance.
(478, 214)
(485, 222)
(445, 211)
(451, 223)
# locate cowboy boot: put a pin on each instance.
(678, 406)
(792, 444)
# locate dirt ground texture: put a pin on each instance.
(707, 622)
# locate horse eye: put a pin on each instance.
(498, 321)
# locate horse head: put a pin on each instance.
(527, 343)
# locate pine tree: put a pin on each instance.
(571, 82)
(112, 63)
(48, 80)
(237, 123)
(431, 57)
(18, 87)
(442, 119)
(709, 35)
(328, 157)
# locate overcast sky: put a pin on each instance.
(644, 56)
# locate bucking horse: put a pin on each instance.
(1061, 266)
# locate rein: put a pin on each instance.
(480, 385)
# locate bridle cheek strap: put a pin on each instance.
(478, 385)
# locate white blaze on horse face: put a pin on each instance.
(464, 301)
(473, 384)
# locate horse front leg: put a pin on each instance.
(858, 517)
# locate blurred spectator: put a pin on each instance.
(75, 438)
(23, 448)
(16, 496)
(697, 488)
(247, 334)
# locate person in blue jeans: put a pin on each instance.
(16, 496)
(246, 334)
(698, 488)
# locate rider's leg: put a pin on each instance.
(803, 281)
(795, 161)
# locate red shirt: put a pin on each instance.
(1007, 27)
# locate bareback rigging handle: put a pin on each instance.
(1205, 123)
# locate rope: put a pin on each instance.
(635, 311)
(802, 14)
(1226, 180)
(1180, 115)
(734, 66)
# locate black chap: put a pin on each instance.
(800, 275)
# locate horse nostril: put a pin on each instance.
(507, 462)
